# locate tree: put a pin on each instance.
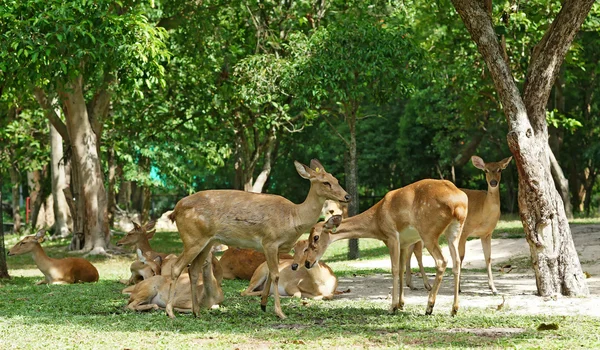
(554, 258)
(347, 71)
(3, 267)
(77, 51)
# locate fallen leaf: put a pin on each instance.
(587, 274)
(506, 269)
(299, 342)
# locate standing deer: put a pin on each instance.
(241, 263)
(423, 211)
(56, 271)
(264, 222)
(484, 213)
(318, 282)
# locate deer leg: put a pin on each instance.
(211, 293)
(394, 248)
(462, 243)
(272, 256)
(408, 276)
(431, 243)
(195, 270)
(453, 232)
(486, 244)
(418, 249)
(189, 254)
(403, 255)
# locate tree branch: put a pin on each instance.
(50, 113)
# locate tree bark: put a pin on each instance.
(15, 180)
(59, 183)
(112, 182)
(262, 178)
(352, 183)
(3, 266)
(554, 258)
(562, 183)
(86, 159)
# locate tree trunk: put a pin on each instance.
(59, 183)
(262, 178)
(352, 184)
(36, 195)
(3, 267)
(15, 180)
(553, 253)
(562, 184)
(112, 184)
(146, 203)
(86, 159)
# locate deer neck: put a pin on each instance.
(40, 258)
(144, 246)
(493, 195)
(362, 225)
(307, 213)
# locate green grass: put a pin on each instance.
(87, 316)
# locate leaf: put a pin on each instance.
(547, 327)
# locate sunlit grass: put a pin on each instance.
(93, 315)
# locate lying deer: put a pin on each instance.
(264, 222)
(423, 211)
(56, 271)
(318, 282)
(153, 293)
(484, 213)
(139, 237)
(241, 263)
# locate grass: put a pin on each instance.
(93, 316)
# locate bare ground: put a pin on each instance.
(516, 286)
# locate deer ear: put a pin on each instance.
(39, 235)
(478, 162)
(150, 225)
(150, 234)
(136, 225)
(304, 171)
(504, 162)
(317, 166)
(333, 222)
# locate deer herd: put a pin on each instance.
(260, 229)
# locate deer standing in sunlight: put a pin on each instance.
(423, 210)
(295, 280)
(484, 213)
(264, 222)
(56, 271)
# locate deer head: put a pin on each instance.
(138, 234)
(323, 182)
(318, 241)
(492, 170)
(28, 243)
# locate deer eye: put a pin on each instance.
(327, 184)
(316, 238)
(499, 170)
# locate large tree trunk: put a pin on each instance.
(351, 170)
(85, 144)
(554, 258)
(562, 183)
(15, 180)
(112, 182)
(59, 183)
(262, 178)
(3, 267)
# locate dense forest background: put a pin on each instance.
(184, 96)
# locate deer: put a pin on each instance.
(241, 263)
(153, 293)
(264, 222)
(56, 271)
(423, 210)
(316, 283)
(139, 237)
(484, 213)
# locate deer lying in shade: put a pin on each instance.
(318, 282)
(56, 271)
(153, 293)
(241, 263)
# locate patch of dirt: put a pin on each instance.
(493, 332)
(517, 286)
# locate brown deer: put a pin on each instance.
(153, 293)
(423, 211)
(56, 271)
(241, 263)
(264, 222)
(484, 213)
(318, 282)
